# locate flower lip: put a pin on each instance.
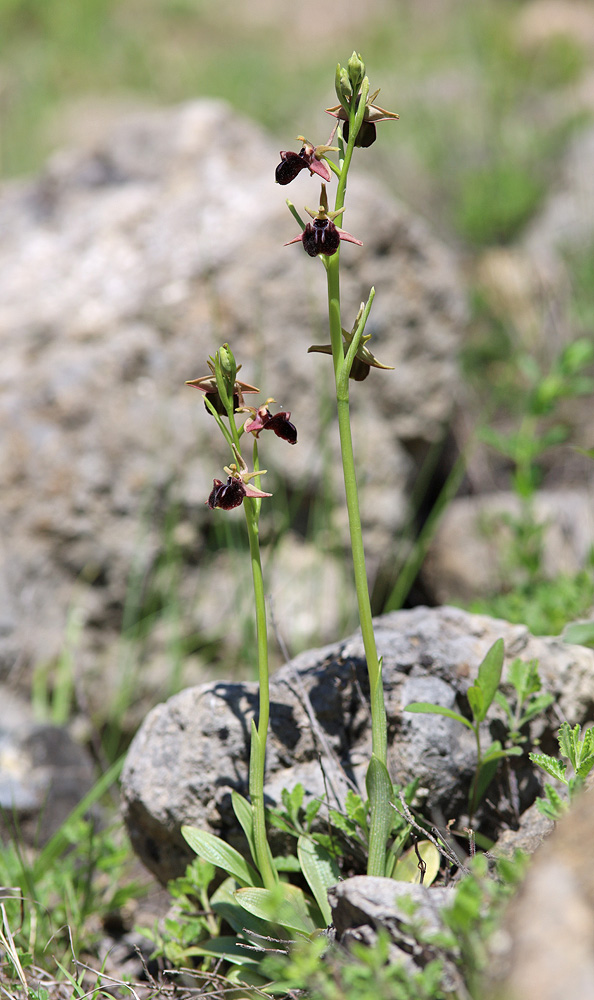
(226, 495)
(309, 156)
(323, 237)
(264, 420)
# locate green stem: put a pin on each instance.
(259, 733)
(472, 803)
(378, 832)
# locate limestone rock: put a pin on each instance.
(545, 949)
(121, 269)
(193, 750)
(44, 773)
(465, 558)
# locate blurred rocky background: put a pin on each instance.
(140, 228)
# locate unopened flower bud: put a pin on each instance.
(356, 71)
(228, 366)
(343, 88)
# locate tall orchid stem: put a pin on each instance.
(259, 731)
(378, 829)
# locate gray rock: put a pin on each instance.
(362, 905)
(121, 270)
(545, 948)
(192, 751)
(466, 558)
(44, 773)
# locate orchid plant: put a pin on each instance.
(357, 115)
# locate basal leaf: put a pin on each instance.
(245, 816)
(215, 850)
(285, 905)
(321, 872)
(580, 634)
(380, 791)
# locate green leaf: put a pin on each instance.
(292, 801)
(504, 704)
(581, 634)
(215, 850)
(225, 905)
(489, 674)
(356, 809)
(406, 868)
(380, 791)
(311, 811)
(476, 700)
(321, 872)
(536, 706)
(551, 765)
(227, 948)
(552, 806)
(569, 742)
(290, 863)
(485, 775)
(285, 905)
(496, 752)
(245, 816)
(425, 707)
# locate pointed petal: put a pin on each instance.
(347, 236)
(320, 168)
(251, 491)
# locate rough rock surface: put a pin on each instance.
(465, 557)
(121, 269)
(192, 751)
(362, 905)
(545, 949)
(44, 773)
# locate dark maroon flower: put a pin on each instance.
(264, 420)
(323, 237)
(226, 495)
(373, 113)
(208, 385)
(238, 486)
(309, 156)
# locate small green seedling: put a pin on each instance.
(578, 751)
(530, 700)
(480, 698)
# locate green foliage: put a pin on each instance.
(480, 697)
(497, 200)
(544, 606)
(61, 896)
(577, 751)
(530, 701)
(365, 973)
